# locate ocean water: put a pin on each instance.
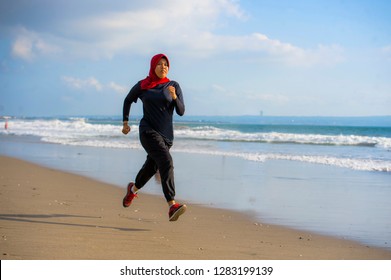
(323, 174)
(355, 143)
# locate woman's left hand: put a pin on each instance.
(171, 90)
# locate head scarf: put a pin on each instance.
(152, 80)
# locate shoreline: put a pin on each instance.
(331, 201)
(50, 214)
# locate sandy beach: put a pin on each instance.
(47, 214)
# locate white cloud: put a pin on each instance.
(28, 45)
(172, 24)
(118, 88)
(259, 45)
(92, 83)
(80, 84)
(22, 48)
(190, 28)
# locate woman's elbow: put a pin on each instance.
(181, 111)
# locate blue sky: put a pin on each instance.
(286, 58)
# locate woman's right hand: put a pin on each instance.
(125, 128)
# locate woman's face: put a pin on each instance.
(161, 69)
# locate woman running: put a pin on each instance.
(160, 97)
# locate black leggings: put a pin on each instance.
(158, 158)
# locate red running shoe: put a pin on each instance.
(175, 211)
(129, 196)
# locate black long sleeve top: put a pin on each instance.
(158, 108)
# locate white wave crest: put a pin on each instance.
(217, 134)
(79, 132)
(351, 163)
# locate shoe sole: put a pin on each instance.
(177, 213)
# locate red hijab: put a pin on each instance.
(153, 80)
